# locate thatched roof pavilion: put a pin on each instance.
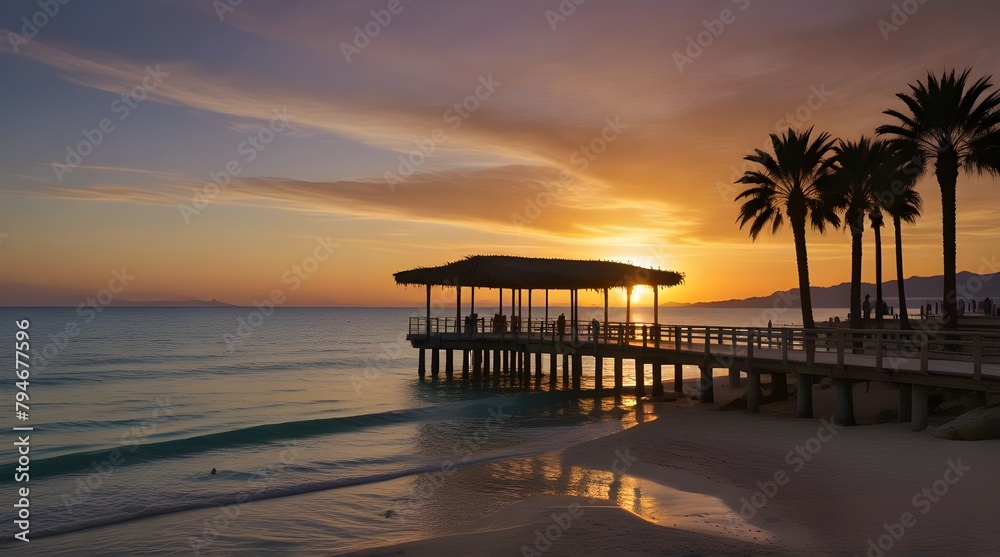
(532, 273)
(504, 271)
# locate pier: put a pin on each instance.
(526, 351)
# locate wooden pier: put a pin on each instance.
(521, 350)
(913, 361)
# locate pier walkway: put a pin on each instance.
(914, 361)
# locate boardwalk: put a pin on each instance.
(914, 361)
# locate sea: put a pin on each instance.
(212, 431)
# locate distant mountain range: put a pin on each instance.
(918, 289)
(171, 304)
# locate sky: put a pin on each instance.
(200, 149)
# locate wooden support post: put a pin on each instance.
(538, 363)
(465, 365)
(753, 392)
(619, 373)
(565, 366)
(845, 402)
(657, 380)
(506, 360)
(905, 403)
(422, 363)
(598, 374)
(486, 365)
(526, 357)
(640, 378)
(918, 407)
(435, 362)
(735, 382)
(678, 378)
(553, 369)
(449, 364)
(707, 383)
(803, 396)
(577, 370)
(496, 362)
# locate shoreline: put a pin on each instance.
(699, 481)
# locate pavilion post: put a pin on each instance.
(458, 308)
(427, 318)
(656, 316)
(628, 305)
(529, 311)
(546, 305)
(513, 302)
(520, 308)
(605, 312)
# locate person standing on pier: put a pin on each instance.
(866, 307)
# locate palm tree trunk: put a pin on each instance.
(878, 277)
(856, 254)
(947, 177)
(904, 319)
(802, 260)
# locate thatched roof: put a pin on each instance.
(502, 271)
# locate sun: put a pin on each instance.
(641, 293)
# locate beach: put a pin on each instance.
(700, 481)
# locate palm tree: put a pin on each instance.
(875, 215)
(789, 184)
(858, 169)
(957, 126)
(900, 200)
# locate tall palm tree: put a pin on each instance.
(858, 167)
(957, 125)
(899, 199)
(788, 184)
(875, 215)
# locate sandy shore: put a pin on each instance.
(699, 481)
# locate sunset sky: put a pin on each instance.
(487, 102)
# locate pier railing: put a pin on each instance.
(892, 349)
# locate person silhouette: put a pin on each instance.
(866, 307)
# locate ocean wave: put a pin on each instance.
(137, 452)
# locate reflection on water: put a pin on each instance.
(448, 498)
(560, 479)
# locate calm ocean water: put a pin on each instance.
(322, 437)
